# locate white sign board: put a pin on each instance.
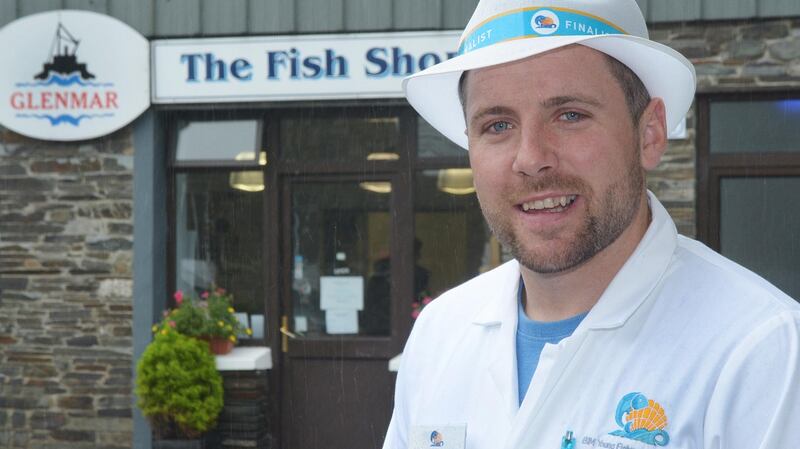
(341, 292)
(72, 75)
(314, 67)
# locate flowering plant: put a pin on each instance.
(211, 315)
(423, 299)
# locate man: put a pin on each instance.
(608, 329)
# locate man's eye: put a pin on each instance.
(499, 127)
(572, 116)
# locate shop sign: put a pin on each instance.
(312, 67)
(72, 75)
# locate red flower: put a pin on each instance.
(204, 295)
(178, 297)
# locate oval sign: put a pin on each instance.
(72, 75)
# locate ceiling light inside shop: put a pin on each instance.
(250, 180)
(377, 186)
(457, 181)
(383, 156)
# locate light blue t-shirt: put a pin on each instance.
(531, 337)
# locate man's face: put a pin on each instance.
(555, 156)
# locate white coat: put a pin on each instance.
(708, 351)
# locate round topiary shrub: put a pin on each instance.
(178, 386)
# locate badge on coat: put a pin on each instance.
(448, 437)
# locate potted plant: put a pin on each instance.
(179, 390)
(210, 318)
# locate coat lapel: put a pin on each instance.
(498, 317)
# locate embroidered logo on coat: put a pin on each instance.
(641, 419)
(437, 440)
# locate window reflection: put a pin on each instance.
(454, 243)
(218, 241)
(341, 242)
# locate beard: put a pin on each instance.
(607, 218)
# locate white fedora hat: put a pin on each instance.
(508, 30)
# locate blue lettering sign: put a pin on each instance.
(240, 69)
(214, 69)
(376, 56)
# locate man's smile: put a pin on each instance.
(550, 204)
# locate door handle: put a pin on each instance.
(286, 334)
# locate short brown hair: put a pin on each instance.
(636, 95)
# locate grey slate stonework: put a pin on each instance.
(65, 300)
(66, 232)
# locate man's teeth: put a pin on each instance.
(549, 203)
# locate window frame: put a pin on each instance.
(711, 167)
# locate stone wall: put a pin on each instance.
(740, 55)
(65, 302)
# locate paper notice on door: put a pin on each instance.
(341, 292)
(341, 321)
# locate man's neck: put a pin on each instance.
(557, 296)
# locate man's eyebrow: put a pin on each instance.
(561, 100)
(492, 110)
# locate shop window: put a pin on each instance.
(432, 144)
(759, 126)
(748, 168)
(340, 135)
(223, 140)
(759, 222)
(218, 241)
(453, 243)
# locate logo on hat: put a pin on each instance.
(545, 22)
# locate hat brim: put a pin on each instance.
(665, 73)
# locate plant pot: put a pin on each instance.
(218, 345)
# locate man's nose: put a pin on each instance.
(536, 154)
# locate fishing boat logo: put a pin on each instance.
(65, 91)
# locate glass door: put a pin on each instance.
(339, 242)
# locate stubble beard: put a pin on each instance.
(601, 227)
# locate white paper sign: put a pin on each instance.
(72, 75)
(257, 323)
(341, 321)
(311, 67)
(341, 292)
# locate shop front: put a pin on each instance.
(289, 170)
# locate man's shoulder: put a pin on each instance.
(712, 275)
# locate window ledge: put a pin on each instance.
(247, 358)
(394, 363)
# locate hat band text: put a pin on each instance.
(536, 22)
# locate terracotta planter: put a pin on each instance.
(218, 345)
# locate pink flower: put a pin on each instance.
(415, 305)
(426, 300)
(166, 313)
(415, 314)
(220, 291)
(204, 295)
(172, 323)
(178, 297)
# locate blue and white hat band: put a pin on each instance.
(536, 22)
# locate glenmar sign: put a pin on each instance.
(72, 75)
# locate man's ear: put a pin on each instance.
(653, 134)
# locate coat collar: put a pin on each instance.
(626, 292)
